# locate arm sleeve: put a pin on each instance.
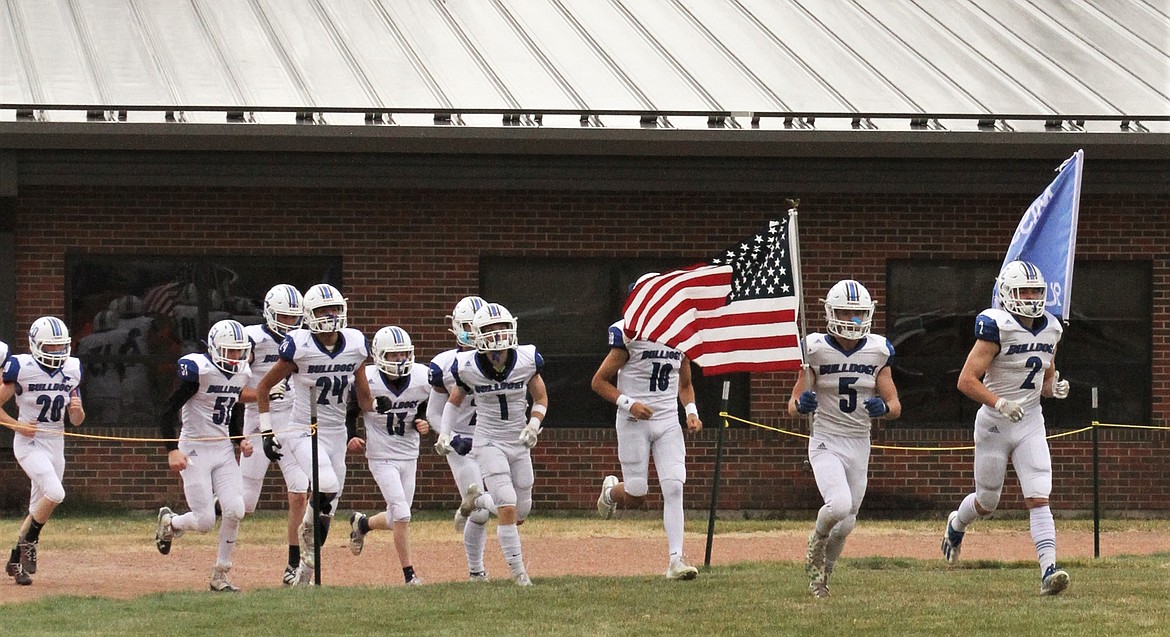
(435, 404)
(169, 420)
(236, 423)
(352, 412)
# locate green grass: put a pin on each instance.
(871, 596)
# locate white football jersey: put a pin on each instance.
(42, 395)
(844, 380)
(650, 376)
(207, 413)
(265, 353)
(327, 374)
(1017, 371)
(103, 378)
(392, 436)
(501, 398)
(441, 376)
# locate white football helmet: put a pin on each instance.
(1017, 276)
(105, 321)
(283, 302)
(461, 317)
(850, 297)
(320, 296)
(493, 328)
(389, 344)
(228, 346)
(49, 332)
(128, 306)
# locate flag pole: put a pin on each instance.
(794, 247)
(715, 479)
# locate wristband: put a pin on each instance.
(265, 421)
(534, 422)
(625, 402)
(691, 409)
(539, 409)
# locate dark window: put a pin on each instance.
(931, 313)
(132, 317)
(565, 307)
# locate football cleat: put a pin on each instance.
(814, 559)
(163, 532)
(290, 575)
(28, 556)
(1054, 581)
(605, 504)
(357, 539)
(478, 576)
(952, 541)
(219, 581)
(18, 574)
(467, 505)
(680, 570)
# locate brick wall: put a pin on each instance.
(395, 241)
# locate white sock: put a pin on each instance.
(509, 537)
(485, 501)
(672, 517)
(1043, 536)
(474, 539)
(967, 514)
(229, 530)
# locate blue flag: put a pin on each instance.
(1047, 235)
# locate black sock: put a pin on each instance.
(34, 531)
(294, 555)
(408, 573)
(322, 528)
(364, 524)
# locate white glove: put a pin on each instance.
(529, 434)
(1059, 387)
(278, 390)
(1010, 409)
(443, 444)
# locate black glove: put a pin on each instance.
(272, 446)
(383, 404)
(461, 445)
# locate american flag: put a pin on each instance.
(161, 299)
(734, 313)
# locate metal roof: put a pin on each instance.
(1093, 65)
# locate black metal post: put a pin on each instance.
(1096, 482)
(315, 492)
(715, 478)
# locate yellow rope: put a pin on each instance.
(726, 416)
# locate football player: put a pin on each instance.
(324, 360)
(463, 466)
(845, 384)
(204, 455)
(1007, 371)
(45, 383)
(500, 374)
(647, 381)
(283, 312)
(400, 390)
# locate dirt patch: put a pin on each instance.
(139, 569)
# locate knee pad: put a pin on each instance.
(479, 516)
(638, 487)
(987, 499)
(672, 489)
(233, 509)
(500, 486)
(399, 512)
(523, 505)
(204, 520)
(56, 495)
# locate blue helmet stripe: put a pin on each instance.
(292, 297)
